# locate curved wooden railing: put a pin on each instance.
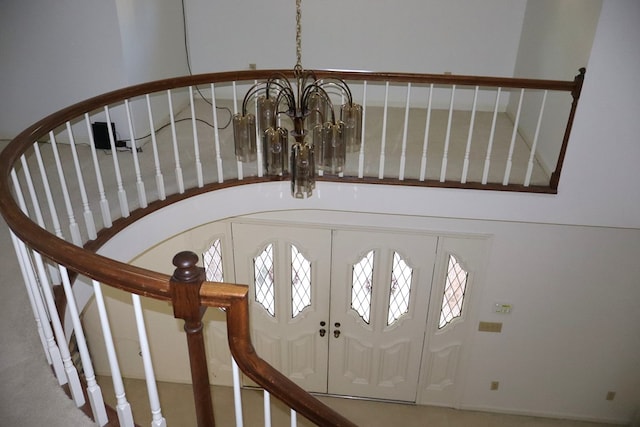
(76, 250)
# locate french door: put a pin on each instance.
(340, 312)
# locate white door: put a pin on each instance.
(380, 288)
(287, 270)
(457, 277)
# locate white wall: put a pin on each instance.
(430, 36)
(57, 53)
(556, 40)
(54, 54)
(152, 36)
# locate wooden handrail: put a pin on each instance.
(232, 297)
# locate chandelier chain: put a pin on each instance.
(298, 34)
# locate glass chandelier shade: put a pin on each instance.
(244, 135)
(308, 105)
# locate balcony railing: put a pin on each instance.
(66, 190)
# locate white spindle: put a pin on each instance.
(52, 348)
(152, 389)
(294, 418)
(69, 368)
(465, 166)
(196, 146)
(104, 203)
(176, 152)
(216, 134)
(32, 192)
(74, 229)
(527, 179)
(123, 407)
(383, 142)
(47, 191)
(122, 195)
(88, 215)
(403, 154)
(142, 196)
(447, 139)
(364, 119)
(266, 400)
(237, 393)
(156, 158)
(514, 134)
(93, 389)
(235, 111)
(259, 153)
(487, 160)
(32, 301)
(425, 144)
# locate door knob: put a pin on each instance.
(336, 333)
(322, 332)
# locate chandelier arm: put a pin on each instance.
(315, 87)
(342, 85)
(253, 90)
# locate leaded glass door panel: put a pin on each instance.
(287, 270)
(381, 284)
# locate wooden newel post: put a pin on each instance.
(185, 295)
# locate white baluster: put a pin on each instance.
(74, 229)
(403, 155)
(123, 408)
(294, 418)
(176, 153)
(487, 160)
(52, 347)
(88, 215)
(156, 158)
(235, 111)
(527, 179)
(69, 368)
(425, 144)
(122, 195)
(32, 301)
(152, 389)
(216, 133)
(196, 147)
(514, 134)
(259, 137)
(383, 142)
(47, 191)
(32, 191)
(237, 393)
(465, 166)
(364, 119)
(104, 203)
(142, 196)
(93, 389)
(267, 408)
(36, 206)
(447, 139)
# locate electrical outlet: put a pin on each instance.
(494, 385)
(252, 66)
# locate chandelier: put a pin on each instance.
(321, 138)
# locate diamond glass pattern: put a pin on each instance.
(400, 289)
(213, 262)
(455, 284)
(263, 279)
(300, 282)
(362, 286)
